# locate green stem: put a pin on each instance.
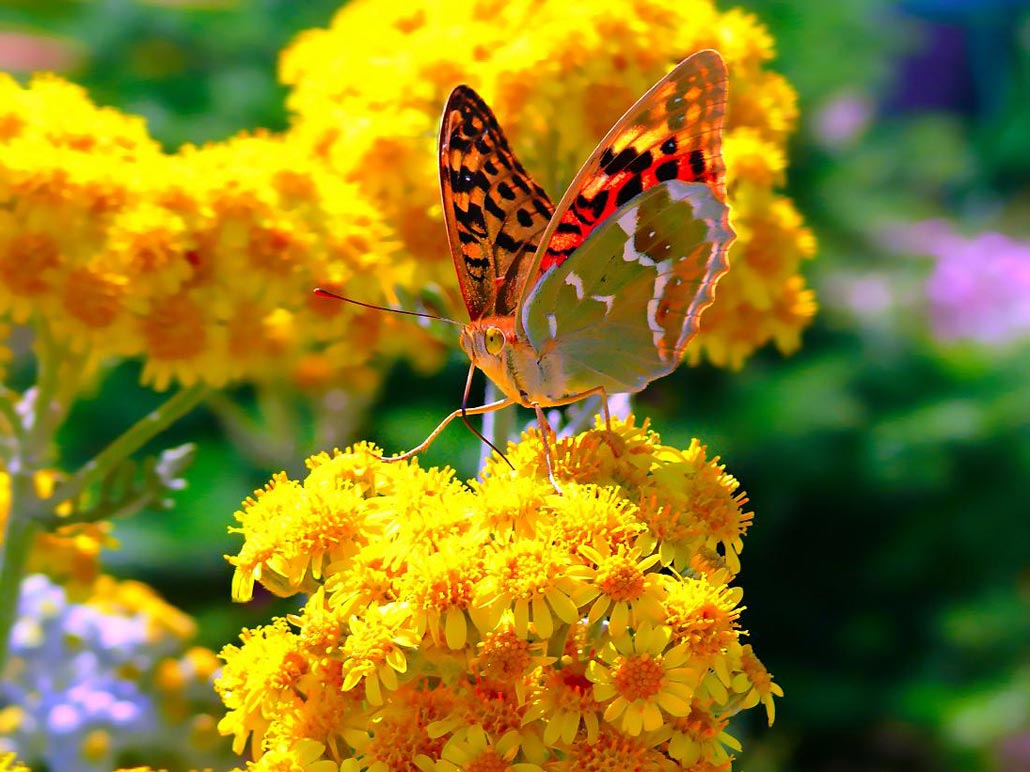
(8, 400)
(10, 435)
(137, 435)
(14, 553)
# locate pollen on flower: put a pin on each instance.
(620, 579)
(704, 616)
(504, 655)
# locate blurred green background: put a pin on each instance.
(887, 576)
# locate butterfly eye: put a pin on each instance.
(494, 341)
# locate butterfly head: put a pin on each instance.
(485, 340)
(494, 347)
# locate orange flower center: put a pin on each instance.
(620, 579)
(638, 677)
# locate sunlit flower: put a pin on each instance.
(374, 651)
(614, 750)
(476, 749)
(700, 736)
(622, 588)
(400, 737)
(258, 676)
(643, 679)
(529, 578)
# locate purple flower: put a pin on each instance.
(980, 285)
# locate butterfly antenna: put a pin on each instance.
(468, 423)
(329, 294)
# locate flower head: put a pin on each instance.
(497, 624)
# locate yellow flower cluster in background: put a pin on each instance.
(369, 104)
(497, 625)
(200, 262)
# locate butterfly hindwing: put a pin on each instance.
(495, 212)
(619, 311)
(673, 132)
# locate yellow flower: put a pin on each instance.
(507, 657)
(399, 737)
(201, 262)
(756, 684)
(439, 588)
(477, 750)
(614, 750)
(700, 736)
(563, 696)
(257, 677)
(644, 679)
(305, 756)
(704, 615)
(373, 652)
(625, 590)
(9, 763)
(529, 578)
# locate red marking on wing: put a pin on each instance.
(673, 132)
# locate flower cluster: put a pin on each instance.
(497, 625)
(201, 262)
(90, 683)
(370, 103)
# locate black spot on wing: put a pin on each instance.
(473, 219)
(620, 162)
(524, 217)
(697, 162)
(599, 202)
(669, 146)
(641, 163)
(506, 242)
(491, 206)
(667, 171)
(504, 191)
(632, 188)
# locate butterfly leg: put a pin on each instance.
(545, 430)
(605, 411)
(459, 413)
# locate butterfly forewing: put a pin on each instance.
(494, 210)
(618, 312)
(673, 132)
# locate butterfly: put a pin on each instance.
(601, 293)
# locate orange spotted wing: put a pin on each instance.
(673, 132)
(495, 212)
